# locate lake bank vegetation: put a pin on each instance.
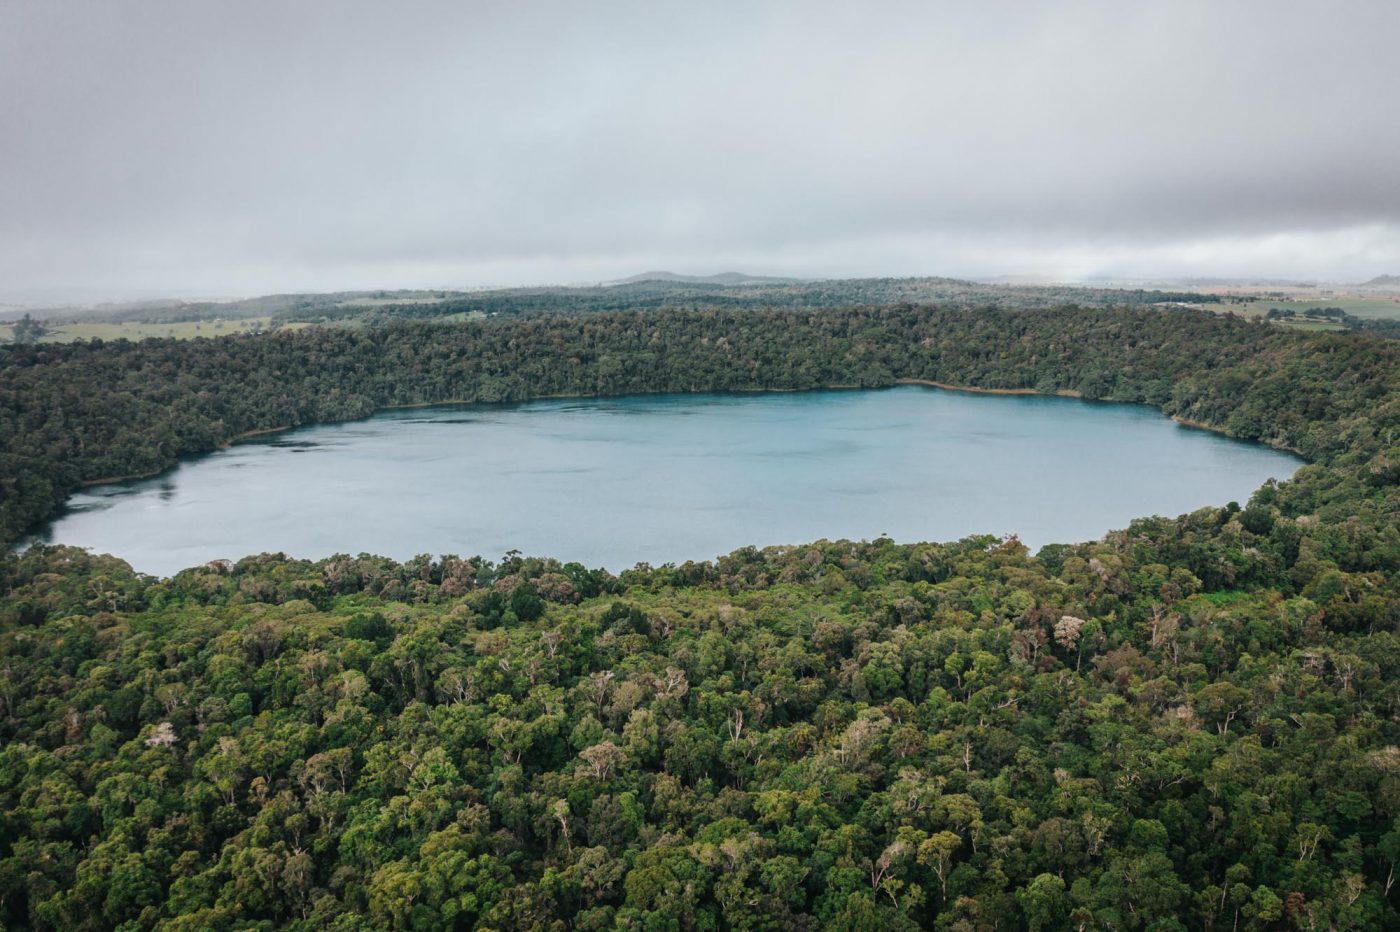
(77, 413)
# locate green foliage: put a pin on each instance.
(658, 295)
(1189, 724)
(28, 330)
(956, 734)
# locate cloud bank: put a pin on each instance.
(213, 148)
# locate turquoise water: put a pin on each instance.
(668, 478)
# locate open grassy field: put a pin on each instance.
(1301, 324)
(385, 302)
(184, 330)
(1377, 307)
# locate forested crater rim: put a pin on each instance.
(658, 478)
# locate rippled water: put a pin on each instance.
(610, 482)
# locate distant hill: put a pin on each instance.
(723, 278)
(174, 310)
(1383, 281)
(647, 293)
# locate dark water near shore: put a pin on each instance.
(609, 482)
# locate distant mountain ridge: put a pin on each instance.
(723, 278)
(1383, 281)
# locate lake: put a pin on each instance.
(668, 478)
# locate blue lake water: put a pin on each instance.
(667, 478)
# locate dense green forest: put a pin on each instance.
(1193, 723)
(657, 294)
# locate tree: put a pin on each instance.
(27, 330)
(936, 852)
(1044, 902)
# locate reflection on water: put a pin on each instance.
(83, 507)
(609, 482)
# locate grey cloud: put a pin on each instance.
(265, 146)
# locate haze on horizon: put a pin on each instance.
(223, 149)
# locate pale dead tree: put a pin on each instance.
(744, 669)
(1224, 726)
(353, 685)
(104, 592)
(315, 664)
(601, 759)
(1353, 885)
(598, 686)
(915, 793)
(560, 811)
(735, 725)
(1095, 830)
(7, 688)
(552, 641)
(937, 852)
(1067, 631)
(315, 775)
(457, 685)
(162, 737)
(342, 761)
(296, 874)
(729, 615)
(512, 738)
(1025, 645)
(880, 869)
(674, 683)
(171, 696)
(1165, 626)
(1345, 669)
(1309, 837)
(859, 737)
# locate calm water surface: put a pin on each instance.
(610, 482)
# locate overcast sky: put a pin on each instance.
(236, 148)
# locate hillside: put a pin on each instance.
(646, 294)
(722, 278)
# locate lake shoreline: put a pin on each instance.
(134, 477)
(680, 476)
(929, 383)
(975, 390)
(1071, 393)
(257, 433)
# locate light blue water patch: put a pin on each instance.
(668, 478)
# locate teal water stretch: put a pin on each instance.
(609, 482)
